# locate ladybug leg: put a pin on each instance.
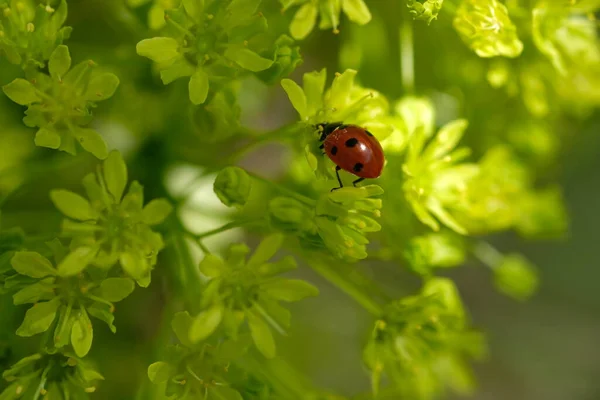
(337, 173)
(356, 181)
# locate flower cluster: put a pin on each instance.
(422, 342)
(427, 10)
(60, 104)
(62, 303)
(305, 18)
(338, 221)
(29, 32)
(54, 376)
(345, 101)
(485, 26)
(215, 41)
(248, 289)
(111, 226)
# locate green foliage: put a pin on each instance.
(305, 18)
(111, 227)
(63, 376)
(427, 10)
(207, 41)
(422, 342)
(474, 140)
(60, 104)
(249, 290)
(29, 32)
(485, 26)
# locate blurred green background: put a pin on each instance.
(544, 349)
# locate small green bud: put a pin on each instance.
(516, 277)
(30, 27)
(443, 250)
(232, 186)
(485, 26)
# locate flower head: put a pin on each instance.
(248, 289)
(60, 104)
(425, 10)
(485, 26)
(112, 226)
(29, 32)
(213, 41)
(421, 342)
(305, 18)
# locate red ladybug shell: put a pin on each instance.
(355, 150)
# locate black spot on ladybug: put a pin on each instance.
(358, 167)
(369, 133)
(351, 142)
(334, 150)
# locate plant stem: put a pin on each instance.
(487, 254)
(223, 228)
(344, 285)
(278, 134)
(283, 189)
(407, 54)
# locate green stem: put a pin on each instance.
(282, 133)
(223, 228)
(344, 285)
(487, 254)
(407, 54)
(303, 199)
(42, 384)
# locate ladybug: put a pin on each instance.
(353, 149)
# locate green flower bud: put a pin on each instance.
(425, 10)
(516, 277)
(287, 58)
(232, 186)
(290, 215)
(442, 250)
(484, 25)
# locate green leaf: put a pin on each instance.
(246, 58)
(91, 141)
(265, 250)
(206, 323)
(314, 87)
(212, 266)
(116, 289)
(296, 96)
(60, 62)
(193, 8)
(103, 312)
(82, 334)
(158, 49)
(34, 293)
(32, 264)
(156, 211)
(262, 335)
(304, 21)
(46, 137)
(102, 87)
(290, 289)
(72, 205)
(178, 69)
(446, 139)
(62, 333)
(356, 11)
(134, 265)
(115, 174)
(160, 372)
(181, 323)
(39, 318)
(76, 261)
(21, 92)
(198, 87)
(20, 365)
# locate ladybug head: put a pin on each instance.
(326, 128)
